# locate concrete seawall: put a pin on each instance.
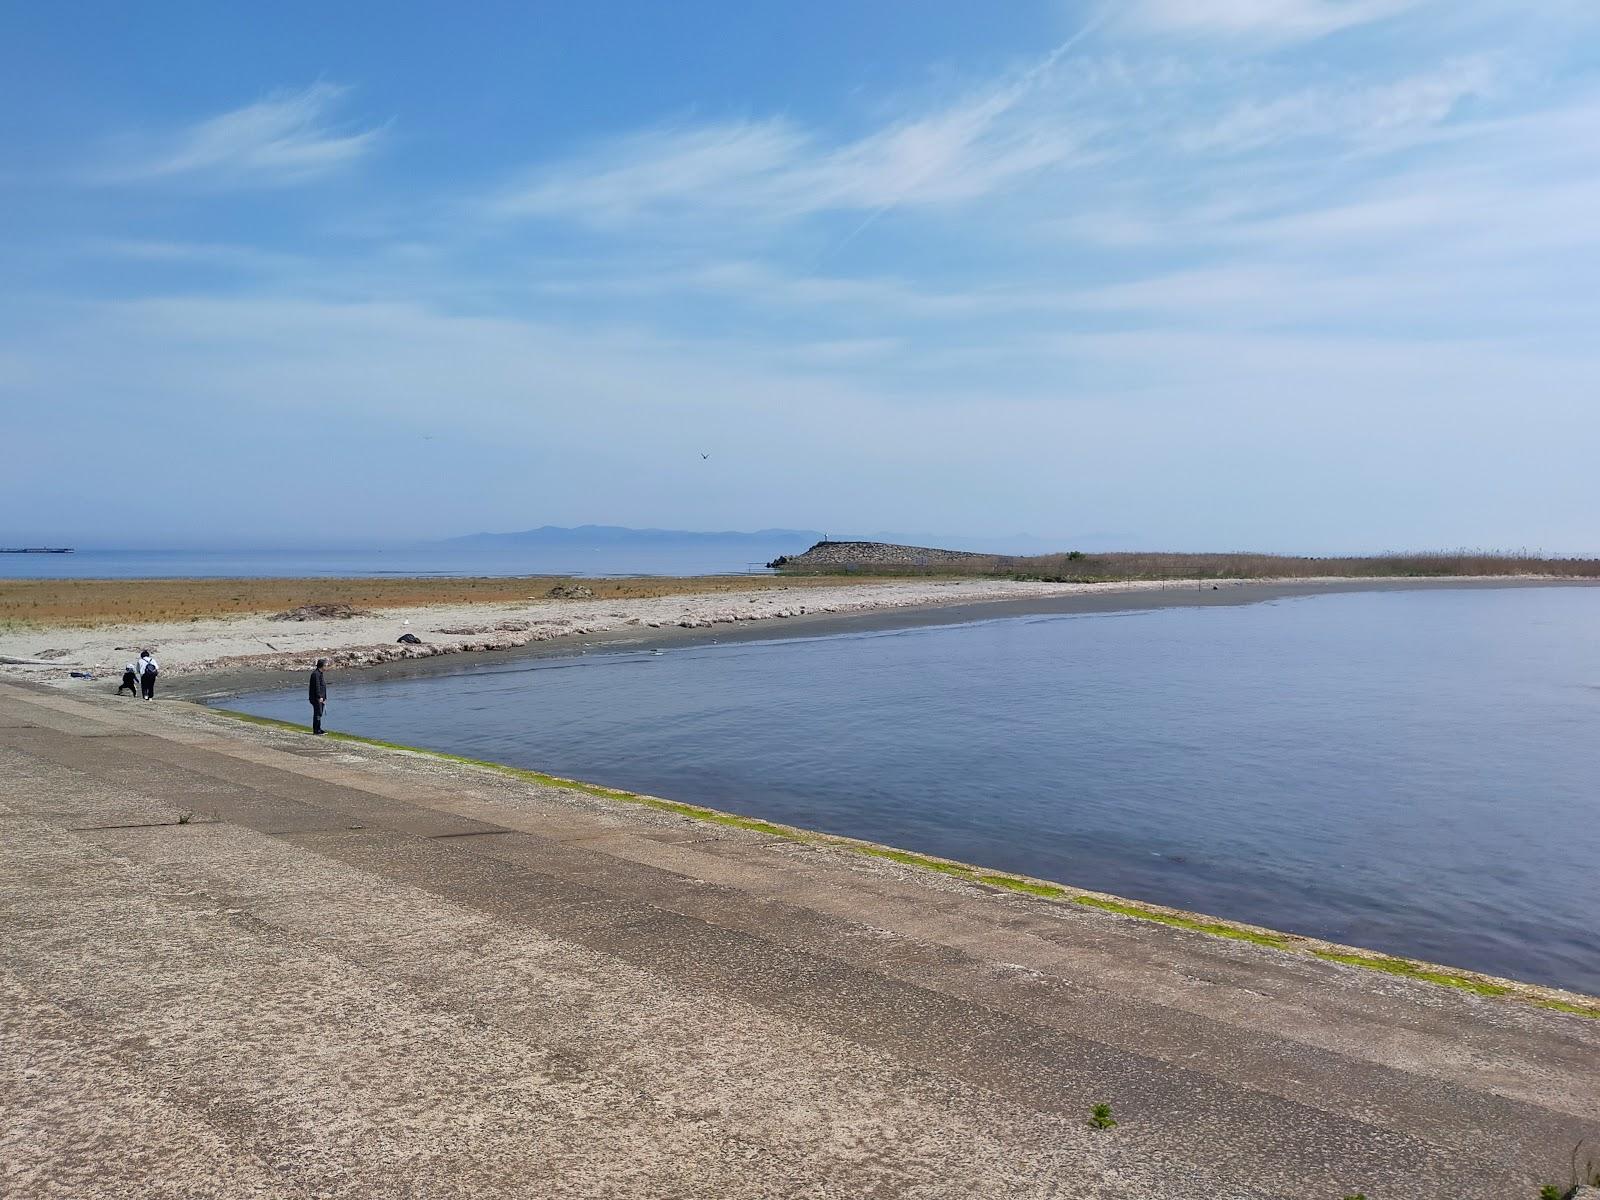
(242, 962)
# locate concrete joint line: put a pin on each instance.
(140, 825)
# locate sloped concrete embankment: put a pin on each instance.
(240, 962)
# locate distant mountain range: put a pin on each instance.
(622, 535)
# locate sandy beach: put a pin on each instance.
(258, 644)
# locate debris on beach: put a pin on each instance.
(322, 612)
(570, 591)
(51, 653)
(234, 643)
(409, 639)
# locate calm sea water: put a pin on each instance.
(1407, 770)
(440, 559)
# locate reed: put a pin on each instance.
(1136, 565)
(89, 602)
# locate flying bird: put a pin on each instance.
(703, 457)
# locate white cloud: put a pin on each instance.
(1275, 21)
(282, 139)
(1380, 114)
(775, 170)
(658, 170)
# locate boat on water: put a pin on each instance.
(35, 549)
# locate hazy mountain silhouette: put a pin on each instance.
(622, 535)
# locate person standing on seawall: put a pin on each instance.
(148, 670)
(318, 696)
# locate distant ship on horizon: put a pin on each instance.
(35, 549)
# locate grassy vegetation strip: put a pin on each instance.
(1015, 883)
(1122, 567)
(89, 602)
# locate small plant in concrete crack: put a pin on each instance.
(1587, 1176)
(1356, 1196)
(185, 817)
(1100, 1116)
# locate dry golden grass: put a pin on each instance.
(86, 602)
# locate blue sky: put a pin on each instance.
(1283, 274)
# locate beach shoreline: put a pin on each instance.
(209, 658)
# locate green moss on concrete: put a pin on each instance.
(695, 813)
(251, 718)
(1576, 1009)
(906, 859)
(1411, 970)
(1046, 891)
(1214, 928)
(575, 785)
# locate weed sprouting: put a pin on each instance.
(1587, 1176)
(1100, 1117)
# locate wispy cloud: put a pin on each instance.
(285, 138)
(1379, 114)
(1291, 221)
(662, 170)
(1268, 21)
(778, 170)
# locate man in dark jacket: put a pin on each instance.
(318, 696)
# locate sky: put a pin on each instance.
(1291, 275)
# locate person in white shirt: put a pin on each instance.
(148, 670)
(130, 680)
